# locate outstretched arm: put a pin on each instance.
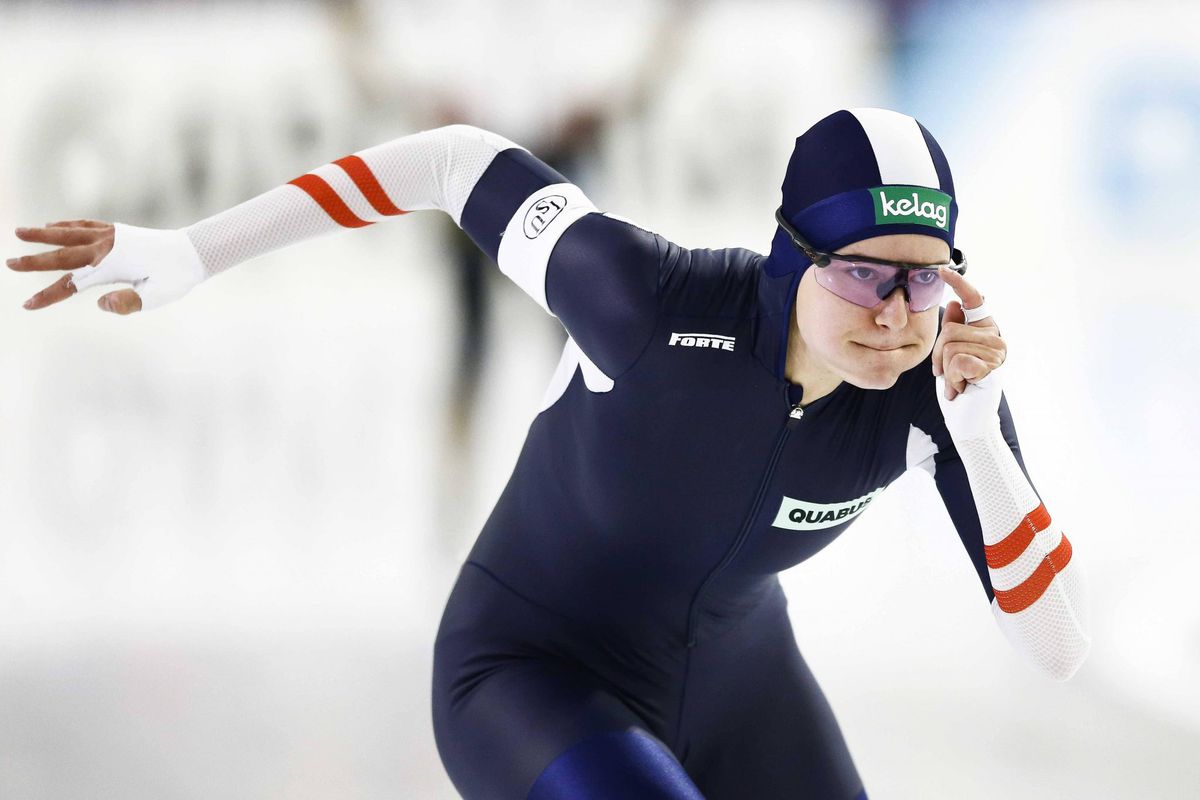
(597, 274)
(434, 169)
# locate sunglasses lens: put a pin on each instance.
(858, 282)
(926, 288)
(866, 284)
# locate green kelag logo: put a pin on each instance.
(913, 204)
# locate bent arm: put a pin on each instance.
(1038, 592)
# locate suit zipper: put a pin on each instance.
(795, 414)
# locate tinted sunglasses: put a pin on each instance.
(867, 281)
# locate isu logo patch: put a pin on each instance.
(542, 213)
(713, 340)
(800, 515)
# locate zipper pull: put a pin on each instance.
(795, 414)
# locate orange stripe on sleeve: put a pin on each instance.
(365, 180)
(1008, 549)
(328, 199)
(1061, 555)
(1026, 593)
(1040, 517)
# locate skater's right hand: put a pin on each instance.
(162, 265)
(84, 241)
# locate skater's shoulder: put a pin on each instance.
(710, 282)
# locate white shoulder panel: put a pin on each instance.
(571, 359)
(921, 450)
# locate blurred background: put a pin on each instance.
(228, 528)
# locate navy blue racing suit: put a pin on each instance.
(618, 628)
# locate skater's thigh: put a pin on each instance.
(543, 731)
(757, 723)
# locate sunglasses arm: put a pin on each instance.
(822, 259)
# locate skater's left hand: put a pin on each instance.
(965, 352)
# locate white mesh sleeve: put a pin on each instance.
(1040, 591)
(432, 169)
